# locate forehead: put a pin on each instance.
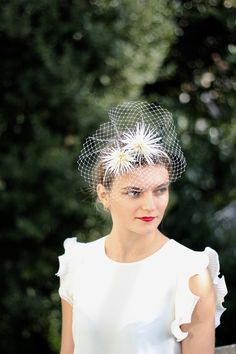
(143, 177)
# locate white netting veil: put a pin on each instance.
(137, 135)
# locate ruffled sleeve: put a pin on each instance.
(67, 268)
(185, 300)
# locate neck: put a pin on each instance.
(126, 246)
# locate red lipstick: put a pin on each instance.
(147, 218)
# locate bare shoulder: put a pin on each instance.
(201, 284)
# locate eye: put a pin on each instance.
(161, 190)
(133, 193)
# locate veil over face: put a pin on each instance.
(138, 181)
(142, 193)
(138, 134)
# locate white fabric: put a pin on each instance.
(132, 308)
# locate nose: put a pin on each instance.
(148, 202)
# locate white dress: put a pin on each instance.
(137, 307)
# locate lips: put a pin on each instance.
(147, 218)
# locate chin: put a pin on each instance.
(146, 231)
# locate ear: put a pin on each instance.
(103, 195)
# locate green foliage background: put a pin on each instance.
(63, 65)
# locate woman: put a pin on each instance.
(137, 291)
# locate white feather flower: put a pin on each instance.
(117, 161)
(143, 143)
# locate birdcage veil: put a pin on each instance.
(137, 135)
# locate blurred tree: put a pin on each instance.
(198, 81)
(63, 63)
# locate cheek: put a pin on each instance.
(163, 202)
(124, 208)
(119, 209)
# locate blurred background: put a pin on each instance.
(63, 64)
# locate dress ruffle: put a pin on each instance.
(68, 263)
(65, 259)
(185, 300)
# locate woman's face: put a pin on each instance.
(138, 200)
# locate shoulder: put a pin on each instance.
(186, 256)
(198, 287)
(204, 263)
(201, 270)
(78, 258)
(184, 250)
(201, 283)
(73, 254)
(74, 248)
(72, 245)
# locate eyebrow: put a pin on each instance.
(140, 189)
